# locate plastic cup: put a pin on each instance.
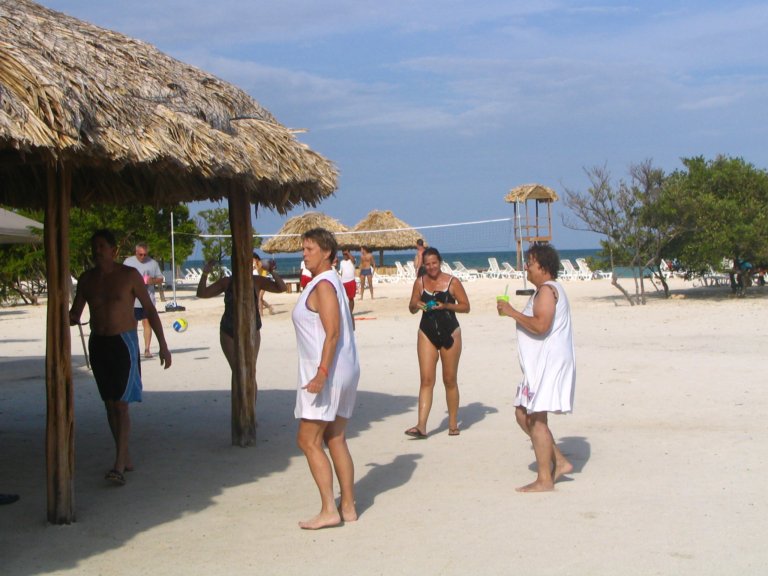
(502, 298)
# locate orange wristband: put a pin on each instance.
(323, 369)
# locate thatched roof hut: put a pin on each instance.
(288, 238)
(531, 192)
(381, 230)
(530, 224)
(91, 116)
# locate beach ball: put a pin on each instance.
(180, 325)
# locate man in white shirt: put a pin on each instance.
(347, 271)
(153, 276)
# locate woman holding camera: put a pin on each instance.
(439, 296)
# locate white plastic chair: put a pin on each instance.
(402, 274)
(445, 267)
(568, 272)
(411, 270)
(586, 271)
(493, 269)
(509, 271)
(470, 273)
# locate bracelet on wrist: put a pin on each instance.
(323, 369)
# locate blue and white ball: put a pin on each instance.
(180, 325)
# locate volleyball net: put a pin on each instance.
(472, 236)
(491, 235)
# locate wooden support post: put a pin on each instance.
(60, 421)
(244, 375)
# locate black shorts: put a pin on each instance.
(139, 314)
(116, 367)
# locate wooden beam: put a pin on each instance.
(60, 421)
(244, 373)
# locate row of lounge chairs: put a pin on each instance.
(407, 272)
(193, 275)
(583, 272)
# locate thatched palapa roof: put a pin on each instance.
(288, 238)
(382, 230)
(91, 116)
(135, 124)
(531, 192)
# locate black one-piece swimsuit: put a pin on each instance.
(438, 325)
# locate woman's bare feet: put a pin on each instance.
(348, 514)
(537, 486)
(322, 520)
(562, 468)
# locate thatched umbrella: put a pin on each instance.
(91, 116)
(526, 192)
(381, 230)
(18, 229)
(531, 228)
(288, 238)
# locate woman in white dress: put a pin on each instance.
(547, 359)
(328, 376)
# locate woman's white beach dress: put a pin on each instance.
(548, 361)
(337, 397)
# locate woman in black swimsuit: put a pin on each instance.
(227, 324)
(439, 296)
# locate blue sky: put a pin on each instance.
(435, 109)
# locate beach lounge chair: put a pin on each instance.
(664, 268)
(712, 278)
(463, 276)
(509, 271)
(568, 272)
(584, 271)
(470, 273)
(384, 278)
(493, 269)
(402, 273)
(192, 275)
(411, 270)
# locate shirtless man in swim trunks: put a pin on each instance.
(109, 290)
(366, 271)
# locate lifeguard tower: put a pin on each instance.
(533, 218)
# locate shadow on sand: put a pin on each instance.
(186, 431)
(576, 449)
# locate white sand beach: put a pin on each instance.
(669, 440)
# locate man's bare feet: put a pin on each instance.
(322, 520)
(537, 486)
(561, 469)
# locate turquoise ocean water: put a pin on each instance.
(289, 265)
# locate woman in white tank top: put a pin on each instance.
(548, 362)
(327, 381)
